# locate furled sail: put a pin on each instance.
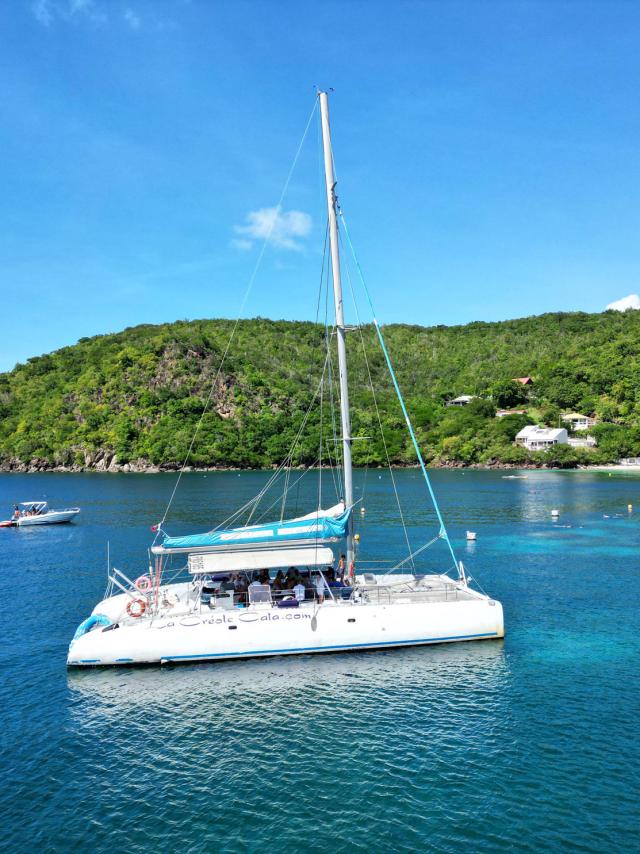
(321, 526)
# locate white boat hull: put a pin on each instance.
(262, 630)
(53, 517)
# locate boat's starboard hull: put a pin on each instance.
(54, 517)
(254, 632)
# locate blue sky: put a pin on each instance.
(487, 153)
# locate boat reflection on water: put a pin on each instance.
(263, 688)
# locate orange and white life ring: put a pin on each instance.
(143, 583)
(136, 608)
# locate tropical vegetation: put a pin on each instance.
(137, 396)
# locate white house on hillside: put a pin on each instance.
(577, 421)
(502, 413)
(584, 442)
(462, 400)
(536, 438)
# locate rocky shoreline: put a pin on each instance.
(104, 462)
(101, 463)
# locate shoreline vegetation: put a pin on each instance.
(131, 401)
(139, 468)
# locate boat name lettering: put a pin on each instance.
(272, 618)
(243, 618)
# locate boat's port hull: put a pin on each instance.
(260, 632)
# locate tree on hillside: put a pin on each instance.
(480, 406)
(508, 393)
(508, 427)
(550, 415)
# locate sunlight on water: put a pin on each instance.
(527, 744)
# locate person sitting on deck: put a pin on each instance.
(241, 587)
(308, 583)
(299, 591)
(321, 586)
(332, 581)
(292, 578)
(227, 585)
(264, 577)
(279, 582)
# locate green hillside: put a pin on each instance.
(138, 394)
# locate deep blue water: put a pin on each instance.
(524, 745)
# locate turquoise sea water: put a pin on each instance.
(524, 745)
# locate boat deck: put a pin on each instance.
(408, 590)
(186, 598)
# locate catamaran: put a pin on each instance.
(211, 596)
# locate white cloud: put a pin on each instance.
(45, 11)
(131, 19)
(632, 301)
(42, 12)
(283, 229)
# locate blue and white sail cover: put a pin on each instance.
(322, 526)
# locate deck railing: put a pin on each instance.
(361, 594)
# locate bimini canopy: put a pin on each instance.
(322, 526)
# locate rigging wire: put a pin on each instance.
(377, 410)
(320, 285)
(296, 482)
(436, 506)
(321, 437)
(413, 554)
(333, 456)
(329, 332)
(286, 464)
(237, 321)
(443, 531)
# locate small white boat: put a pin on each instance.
(515, 476)
(38, 513)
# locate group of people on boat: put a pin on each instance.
(294, 584)
(34, 510)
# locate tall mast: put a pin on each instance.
(340, 329)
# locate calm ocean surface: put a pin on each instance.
(526, 744)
